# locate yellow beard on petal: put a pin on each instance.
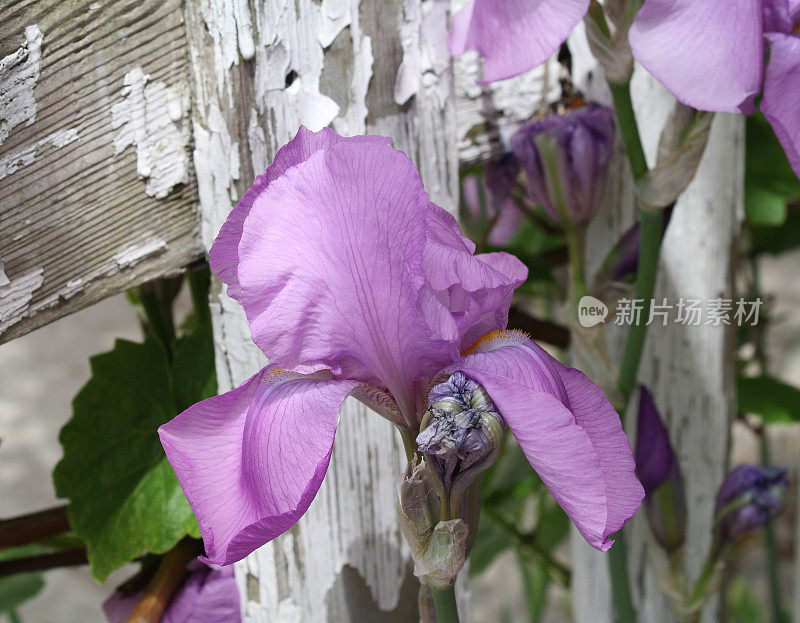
(496, 339)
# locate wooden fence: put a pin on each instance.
(129, 129)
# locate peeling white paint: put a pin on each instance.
(216, 162)
(27, 155)
(73, 287)
(19, 72)
(257, 141)
(150, 118)
(231, 28)
(334, 18)
(15, 296)
(132, 255)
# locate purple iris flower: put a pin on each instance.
(208, 595)
(749, 498)
(354, 283)
(709, 56)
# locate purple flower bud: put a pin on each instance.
(487, 203)
(566, 159)
(208, 594)
(659, 472)
(461, 425)
(748, 499)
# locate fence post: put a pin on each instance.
(688, 368)
(259, 70)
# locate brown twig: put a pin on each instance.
(169, 577)
(33, 527)
(543, 330)
(70, 558)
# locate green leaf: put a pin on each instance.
(777, 240)
(490, 542)
(193, 368)
(15, 590)
(769, 179)
(774, 400)
(744, 606)
(124, 497)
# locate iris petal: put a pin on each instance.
(251, 461)
(709, 57)
(514, 36)
(567, 429)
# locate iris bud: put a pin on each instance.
(438, 548)
(658, 470)
(566, 159)
(748, 499)
(461, 428)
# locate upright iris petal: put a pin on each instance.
(514, 35)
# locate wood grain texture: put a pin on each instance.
(78, 221)
(259, 70)
(689, 369)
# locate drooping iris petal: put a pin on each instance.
(782, 93)
(251, 461)
(567, 429)
(514, 36)
(708, 55)
(476, 289)
(330, 270)
(224, 254)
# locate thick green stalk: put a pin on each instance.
(626, 120)
(620, 581)
(652, 233)
(444, 601)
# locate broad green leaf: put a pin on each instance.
(774, 400)
(124, 497)
(193, 368)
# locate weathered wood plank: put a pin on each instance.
(96, 190)
(92, 167)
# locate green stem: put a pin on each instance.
(773, 573)
(620, 580)
(13, 617)
(626, 119)
(652, 233)
(575, 244)
(444, 601)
